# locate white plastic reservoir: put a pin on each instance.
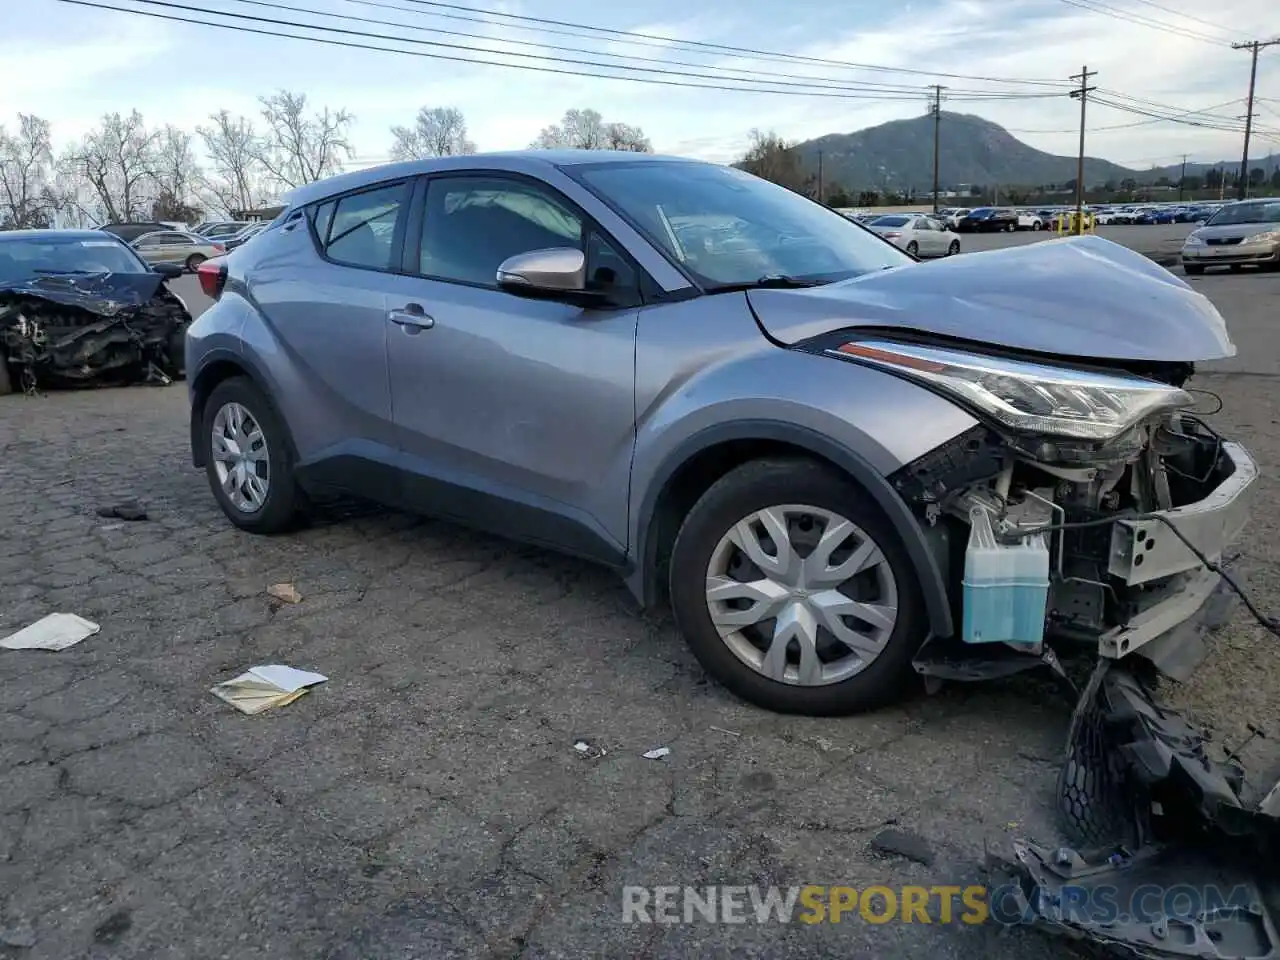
(1006, 586)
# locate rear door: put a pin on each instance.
(320, 283)
(513, 414)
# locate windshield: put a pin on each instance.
(889, 222)
(23, 259)
(1262, 211)
(726, 227)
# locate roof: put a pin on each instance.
(55, 235)
(526, 161)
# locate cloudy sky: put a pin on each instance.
(72, 63)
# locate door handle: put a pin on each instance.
(412, 318)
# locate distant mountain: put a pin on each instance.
(898, 155)
(1268, 164)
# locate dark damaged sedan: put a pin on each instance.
(79, 307)
(843, 468)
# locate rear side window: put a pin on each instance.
(358, 229)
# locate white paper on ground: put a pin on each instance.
(657, 753)
(287, 679)
(57, 631)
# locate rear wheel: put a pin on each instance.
(194, 261)
(954, 248)
(247, 458)
(795, 592)
(913, 248)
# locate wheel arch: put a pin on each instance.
(220, 366)
(709, 454)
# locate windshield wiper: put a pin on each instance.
(772, 281)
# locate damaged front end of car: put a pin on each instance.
(79, 330)
(1091, 511)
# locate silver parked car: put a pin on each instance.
(917, 234)
(177, 246)
(1245, 232)
(841, 467)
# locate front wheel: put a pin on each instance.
(247, 458)
(194, 261)
(954, 248)
(795, 592)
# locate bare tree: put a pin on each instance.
(587, 130)
(26, 174)
(115, 166)
(773, 158)
(232, 146)
(436, 132)
(297, 147)
(177, 174)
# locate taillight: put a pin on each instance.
(213, 276)
(221, 248)
(891, 236)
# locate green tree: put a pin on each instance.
(1213, 178)
(1192, 183)
(1275, 178)
(1257, 177)
(868, 198)
(837, 196)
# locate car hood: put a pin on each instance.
(1232, 230)
(1076, 297)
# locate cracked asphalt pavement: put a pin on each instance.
(428, 802)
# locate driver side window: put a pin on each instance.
(470, 225)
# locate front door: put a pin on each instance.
(514, 414)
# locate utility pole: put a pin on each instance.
(1083, 95)
(1182, 177)
(1242, 188)
(937, 125)
(820, 176)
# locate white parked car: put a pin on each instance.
(1030, 220)
(951, 215)
(918, 235)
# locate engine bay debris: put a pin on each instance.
(1172, 860)
(62, 330)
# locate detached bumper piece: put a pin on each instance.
(88, 330)
(1172, 861)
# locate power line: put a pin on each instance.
(1242, 186)
(734, 50)
(1083, 95)
(1096, 6)
(878, 95)
(1185, 16)
(805, 81)
(1180, 116)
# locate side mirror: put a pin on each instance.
(551, 272)
(170, 271)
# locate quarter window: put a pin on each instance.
(362, 226)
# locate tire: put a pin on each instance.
(913, 249)
(954, 248)
(1193, 269)
(6, 379)
(194, 261)
(740, 494)
(280, 508)
(176, 354)
(1235, 267)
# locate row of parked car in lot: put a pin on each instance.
(159, 242)
(1009, 219)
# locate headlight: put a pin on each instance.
(1269, 237)
(1031, 397)
(1194, 241)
